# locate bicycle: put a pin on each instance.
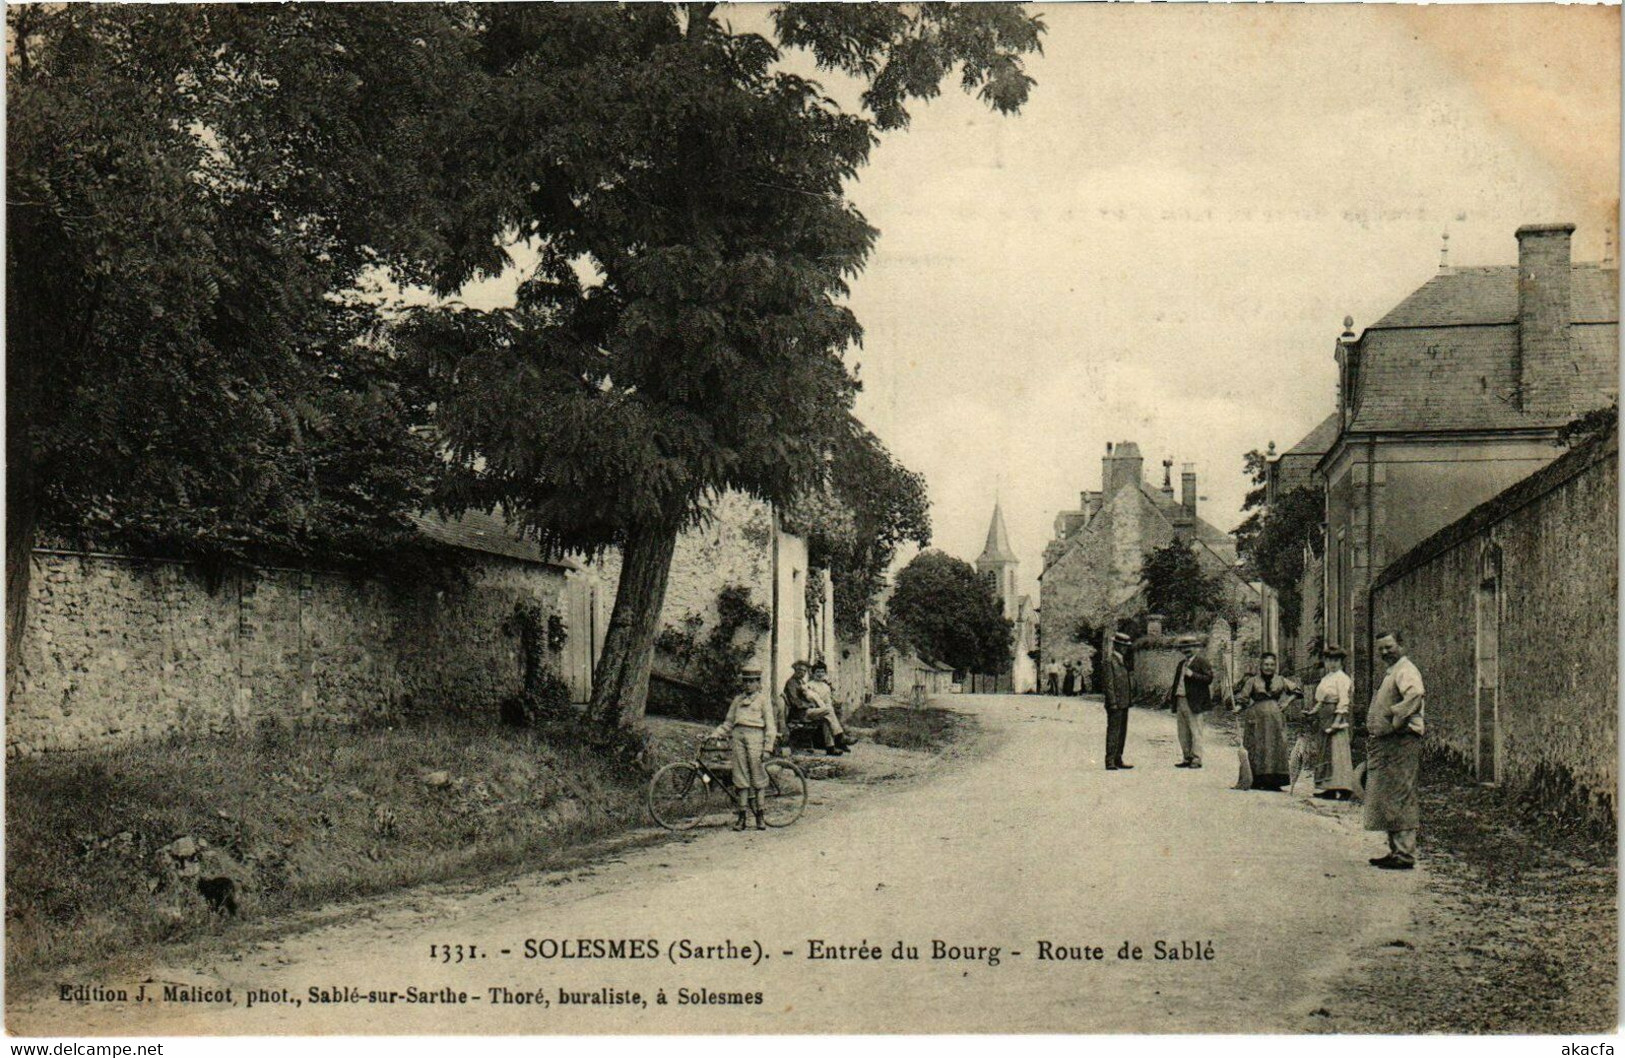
(680, 793)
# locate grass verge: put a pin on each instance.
(928, 729)
(113, 854)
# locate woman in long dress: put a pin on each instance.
(1335, 699)
(1263, 725)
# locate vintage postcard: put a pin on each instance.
(666, 519)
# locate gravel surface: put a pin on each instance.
(1517, 931)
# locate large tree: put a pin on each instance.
(193, 194)
(1178, 588)
(682, 332)
(948, 613)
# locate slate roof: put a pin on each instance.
(1443, 359)
(1318, 441)
(486, 533)
(998, 547)
(1470, 296)
(1216, 539)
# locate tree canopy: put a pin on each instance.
(1178, 588)
(1272, 540)
(196, 194)
(947, 613)
(683, 331)
(193, 193)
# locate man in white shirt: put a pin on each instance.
(1053, 670)
(1394, 755)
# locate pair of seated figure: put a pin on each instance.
(809, 699)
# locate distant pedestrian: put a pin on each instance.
(1054, 671)
(1334, 702)
(752, 731)
(1119, 696)
(1069, 682)
(1189, 698)
(1394, 755)
(1263, 724)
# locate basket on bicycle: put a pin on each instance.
(717, 754)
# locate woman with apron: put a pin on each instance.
(1263, 725)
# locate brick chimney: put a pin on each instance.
(1187, 489)
(1544, 312)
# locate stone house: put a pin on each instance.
(744, 545)
(1092, 567)
(1453, 396)
(1512, 614)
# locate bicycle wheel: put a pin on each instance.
(677, 796)
(786, 795)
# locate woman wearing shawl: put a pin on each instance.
(1263, 726)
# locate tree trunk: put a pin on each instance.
(620, 690)
(22, 515)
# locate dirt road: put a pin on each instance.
(1029, 844)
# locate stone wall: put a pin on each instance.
(1535, 571)
(853, 681)
(119, 648)
(739, 546)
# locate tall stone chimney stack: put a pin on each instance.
(1122, 466)
(1544, 312)
(1187, 489)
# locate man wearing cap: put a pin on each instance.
(1189, 698)
(1119, 696)
(796, 701)
(751, 731)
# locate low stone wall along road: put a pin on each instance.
(998, 894)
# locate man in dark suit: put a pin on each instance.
(1119, 696)
(1189, 698)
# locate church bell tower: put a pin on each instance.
(997, 563)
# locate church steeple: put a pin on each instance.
(997, 563)
(998, 541)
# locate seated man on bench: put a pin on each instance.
(822, 697)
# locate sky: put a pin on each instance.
(1162, 246)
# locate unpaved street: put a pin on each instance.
(1030, 841)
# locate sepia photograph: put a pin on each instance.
(812, 519)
